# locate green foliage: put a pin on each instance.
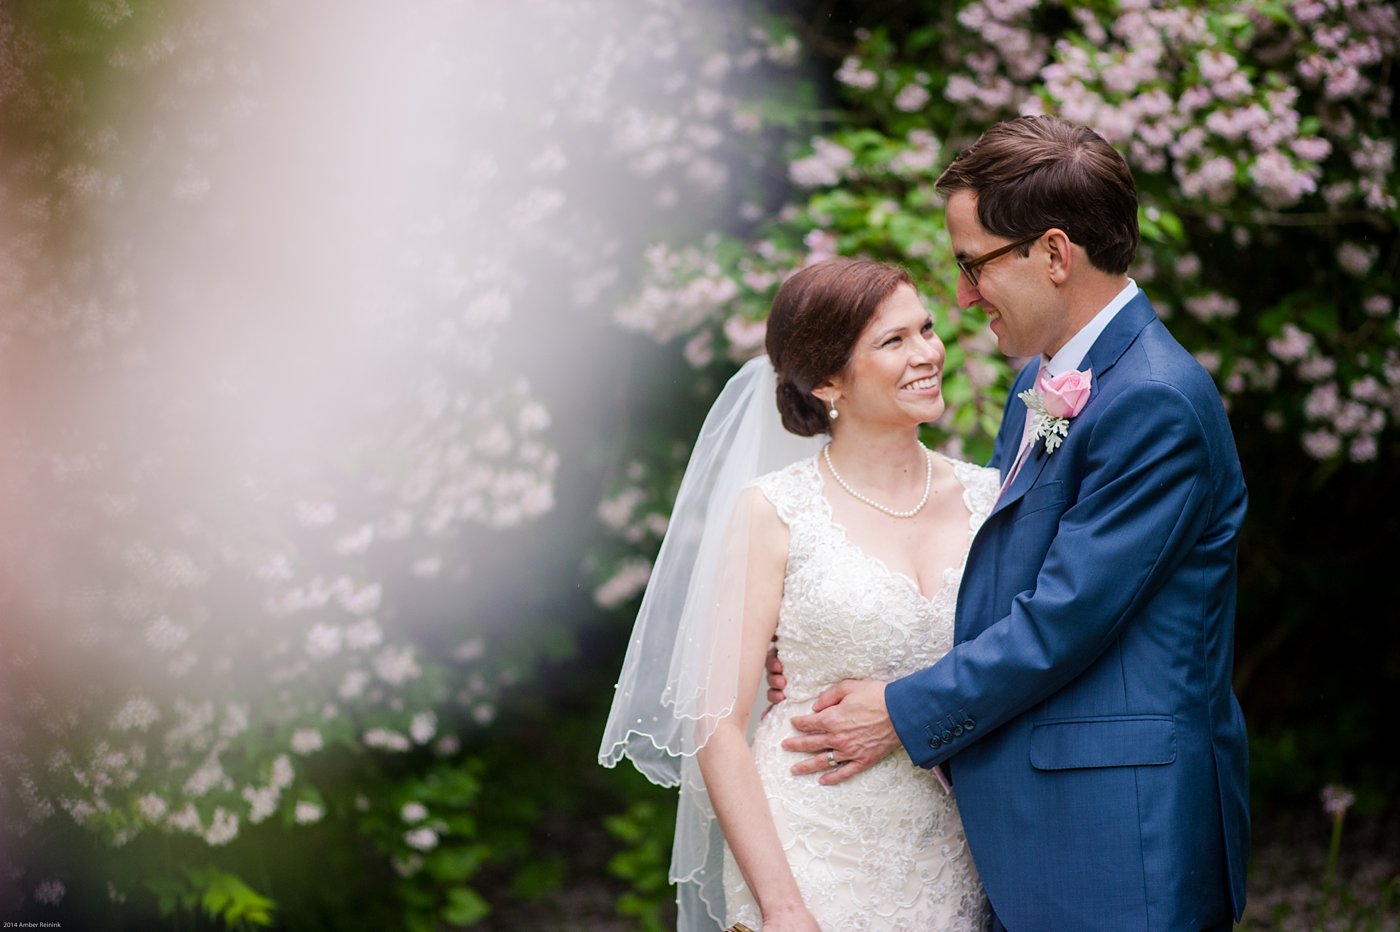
(645, 830)
(222, 896)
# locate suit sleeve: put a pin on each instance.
(1143, 500)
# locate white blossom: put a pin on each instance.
(424, 839)
(307, 813)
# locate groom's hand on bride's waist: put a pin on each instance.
(848, 730)
(776, 681)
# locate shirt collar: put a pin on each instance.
(1072, 354)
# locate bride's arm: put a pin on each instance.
(726, 762)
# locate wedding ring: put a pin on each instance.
(831, 757)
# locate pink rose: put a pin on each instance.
(1066, 394)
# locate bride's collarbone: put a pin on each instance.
(923, 547)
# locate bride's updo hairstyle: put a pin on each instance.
(817, 316)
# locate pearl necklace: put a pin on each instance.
(928, 486)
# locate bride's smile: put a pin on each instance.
(894, 376)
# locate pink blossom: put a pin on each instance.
(921, 155)
(745, 336)
(823, 167)
(1377, 305)
(1214, 179)
(960, 89)
(629, 580)
(911, 98)
(1280, 184)
(699, 350)
(853, 74)
(1189, 143)
(1187, 266)
(1194, 98)
(1212, 305)
(1373, 156)
(1356, 258)
(1351, 417)
(1343, 81)
(1336, 800)
(1235, 123)
(1311, 148)
(1317, 368)
(1367, 388)
(1321, 445)
(1291, 344)
(1307, 11)
(820, 245)
(982, 61)
(1216, 66)
(1363, 449)
(1234, 87)
(1115, 124)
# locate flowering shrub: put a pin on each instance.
(265, 399)
(1262, 137)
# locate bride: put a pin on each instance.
(850, 552)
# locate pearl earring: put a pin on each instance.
(833, 413)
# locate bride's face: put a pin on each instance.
(895, 372)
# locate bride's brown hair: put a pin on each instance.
(817, 316)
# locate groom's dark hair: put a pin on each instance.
(1037, 172)
(817, 316)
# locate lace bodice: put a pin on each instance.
(844, 613)
(884, 850)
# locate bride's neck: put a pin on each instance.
(885, 458)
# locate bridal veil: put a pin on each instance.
(680, 676)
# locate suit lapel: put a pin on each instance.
(1102, 356)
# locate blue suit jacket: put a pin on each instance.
(1085, 711)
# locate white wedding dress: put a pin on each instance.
(884, 850)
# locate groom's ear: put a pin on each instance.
(1061, 255)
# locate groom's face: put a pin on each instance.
(1014, 291)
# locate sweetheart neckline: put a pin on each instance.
(950, 573)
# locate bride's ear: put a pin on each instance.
(828, 392)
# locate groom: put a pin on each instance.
(1085, 714)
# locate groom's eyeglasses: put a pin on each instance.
(970, 266)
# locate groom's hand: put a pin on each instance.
(776, 681)
(851, 721)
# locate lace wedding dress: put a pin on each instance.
(884, 850)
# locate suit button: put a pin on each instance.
(969, 725)
(947, 736)
(934, 742)
(957, 731)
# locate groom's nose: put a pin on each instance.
(968, 295)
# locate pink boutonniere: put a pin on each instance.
(1054, 402)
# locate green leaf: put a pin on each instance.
(455, 864)
(464, 907)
